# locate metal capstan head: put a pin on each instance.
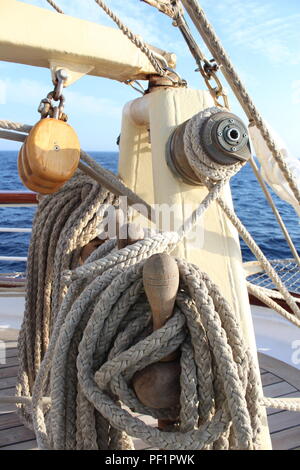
(225, 139)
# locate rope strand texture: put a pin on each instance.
(55, 6)
(112, 315)
(210, 173)
(14, 126)
(64, 223)
(214, 44)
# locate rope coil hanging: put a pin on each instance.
(108, 305)
(64, 223)
(111, 314)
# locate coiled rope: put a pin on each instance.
(205, 170)
(64, 223)
(82, 370)
(209, 172)
(104, 322)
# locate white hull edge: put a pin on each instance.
(275, 336)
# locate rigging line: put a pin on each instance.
(214, 45)
(56, 7)
(136, 40)
(275, 210)
(231, 215)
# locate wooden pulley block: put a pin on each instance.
(158, 385)
(32, 182)
(53, 150)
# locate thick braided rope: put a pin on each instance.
(136, 40)
(210, 172)
(116, 342)
(204, 167)
(288, 404)
(64, 223)
(266, 265)
(252, 112)
(106, 175)
(92, 429)
(273, 293)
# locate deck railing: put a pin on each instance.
(16, 199)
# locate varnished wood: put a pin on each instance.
(89, 248)
(27, 180)
(161, 281)
(33, 178)
(53, 150)
(17, 198)
(158, 385)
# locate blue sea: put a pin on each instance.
(250, 205)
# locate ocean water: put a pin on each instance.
(249, 201)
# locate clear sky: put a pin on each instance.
(262, 38)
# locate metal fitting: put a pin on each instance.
(224, 139)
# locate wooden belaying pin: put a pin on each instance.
(158, 385)
(161, 281)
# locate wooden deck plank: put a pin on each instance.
(281, 369)
(283, 420)
(269, 379)
(9, 392)
(277, 382)
(25, 445)
(9, 420)
(9, 372)
(8, 382)
(286, 439)
(11, 352)
(278, 389)
(9, 362)
(7, 408)
(16, 434)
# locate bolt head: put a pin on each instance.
(233, 149)
(63, 74)
(220, 134)
(231, 120)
